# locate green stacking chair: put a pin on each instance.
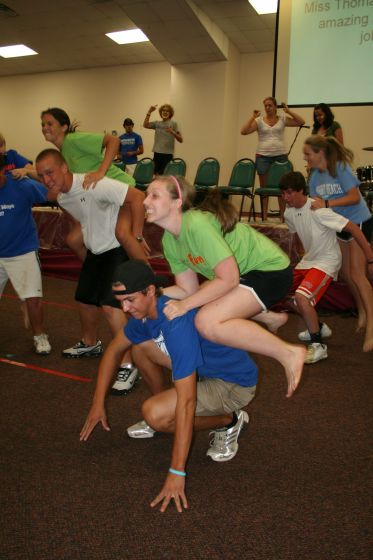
(143, 173)
(207, 176)
(241, 183)
(176, 166)
(276, 171)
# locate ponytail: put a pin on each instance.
(224, 210)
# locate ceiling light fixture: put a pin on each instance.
(264, 6)
(12, 51)
(127, 37)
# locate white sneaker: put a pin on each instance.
(224, 446)
(325, 331)
(81, 350)
(126, 378)
(315, 353)
(41, 344)
(141, 430)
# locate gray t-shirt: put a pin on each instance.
(164, 142)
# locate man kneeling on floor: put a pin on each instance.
(227, 378)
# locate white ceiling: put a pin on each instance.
(70, 34)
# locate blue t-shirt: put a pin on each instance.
(14, 160)
(189, 352)
(18, 233)
(323, 185)
(129, 143)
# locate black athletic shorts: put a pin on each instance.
(270, 287)
(96, 278)
(366, 227)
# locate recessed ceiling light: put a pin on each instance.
(12, 51)
(264, 6)
(127, 37)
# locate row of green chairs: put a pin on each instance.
(241, 182)
(144, 171)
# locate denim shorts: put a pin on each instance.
(263, 163)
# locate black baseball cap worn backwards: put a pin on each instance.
(135, 276)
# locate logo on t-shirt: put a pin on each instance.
(196, 260)
(160, 342)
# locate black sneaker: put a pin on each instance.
(126, 378)
(81, 350)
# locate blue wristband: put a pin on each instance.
(174, 471)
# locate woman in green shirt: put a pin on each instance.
(92, 154)
(246, 273)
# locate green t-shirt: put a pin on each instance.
(83, 153)
(201, 246)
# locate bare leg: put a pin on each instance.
(24, 311)
(346, 277)
(117, 320)
(147, 360)
(308, 313)
(35, 313)
(89, 318)
(359, 278)
(263, 199)
(272, 320)
(224, 321)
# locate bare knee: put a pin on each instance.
(108, 311)
(155, 416)
(206, 326)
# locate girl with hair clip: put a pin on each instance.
(324, 123)
(92, 154)
(241, 267)
(333, 184)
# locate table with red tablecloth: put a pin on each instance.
(57, 259)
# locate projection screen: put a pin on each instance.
(324, 52)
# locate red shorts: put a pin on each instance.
(311, 283)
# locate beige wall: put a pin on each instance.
(211, 100)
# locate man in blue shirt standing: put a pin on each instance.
(131, 146)
(19, 244)
(227, 378)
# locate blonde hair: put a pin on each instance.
(273, 99)
(333, 150)
(2, 139)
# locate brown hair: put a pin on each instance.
(187, 190)
(214, 203)
(56, 154)
(62, 118)
(333, 150)
(293, 180)
(224, 210)
(168, 107)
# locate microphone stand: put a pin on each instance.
(296, 136)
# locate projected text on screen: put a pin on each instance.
(330, 52)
